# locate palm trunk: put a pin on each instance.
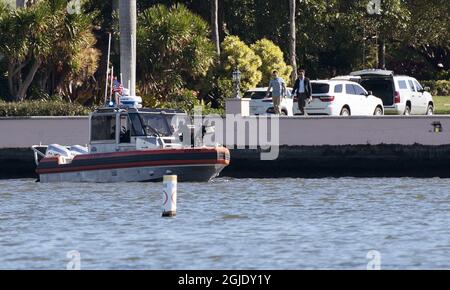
(12, 91)
(293, 39)
(23, 87)
(128, 19)
(215, 26)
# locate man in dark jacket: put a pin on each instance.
(303, 91)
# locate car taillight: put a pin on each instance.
(397, 98)
(327, 99)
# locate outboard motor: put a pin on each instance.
(56, 150)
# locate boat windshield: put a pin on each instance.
(178, 122)
(156, 123)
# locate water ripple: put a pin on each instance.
(228, 224)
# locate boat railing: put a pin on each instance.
(64, 153)
(38, 152)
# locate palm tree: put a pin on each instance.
(56, 50)
(127, 22)
(25, 49)
(292, 39)
(215, 25)
(174, 49)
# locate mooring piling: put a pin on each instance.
(170, 196)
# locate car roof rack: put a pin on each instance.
(347, 78)
(368, 72)
(145, 110)
(163, 111)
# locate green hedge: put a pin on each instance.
(438, 88)
(42, 108)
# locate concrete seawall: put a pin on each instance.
(309, 147)
(344, 161)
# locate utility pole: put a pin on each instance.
(127, 23)
(215, 26)
(293, 39)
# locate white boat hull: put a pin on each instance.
(188, 173)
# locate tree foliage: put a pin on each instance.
(272, 59)
(174, 50)
(237, 54)
(43, 50)
(46, 47)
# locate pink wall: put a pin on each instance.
(295, 131)
(364, 130)
(23, 133)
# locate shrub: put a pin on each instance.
(272, 59)
(185, 100)
(438, 88)
(235, 53)
(42, 108)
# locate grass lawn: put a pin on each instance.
(442, 105)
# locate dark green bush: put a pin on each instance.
(438, 88)
(185, 100)
(42, 108)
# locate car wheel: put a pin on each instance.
(378, 112)
(430, 110)
(345, 112)
(283, 113)
(407, 110)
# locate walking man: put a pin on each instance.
(303, 91)
(278, 87)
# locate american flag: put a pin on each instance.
(117, 87)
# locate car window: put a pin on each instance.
(255, 95)
(402, 85)
(418, 86)
(338, 89)
(411, 86)
(318, 88)
(350, 89)
(359, 90)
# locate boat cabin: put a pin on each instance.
(128, 129)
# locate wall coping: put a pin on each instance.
(44, 118)
(394, 117)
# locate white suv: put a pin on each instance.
(401, 95)
(260, 105)
(342, 98)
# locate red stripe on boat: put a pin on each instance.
(151, 152)
(130, 165)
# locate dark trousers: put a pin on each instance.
(302, 98)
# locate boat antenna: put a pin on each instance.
(112, 84)
(133, 59)
(107, 69)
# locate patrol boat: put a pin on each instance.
(131, 145)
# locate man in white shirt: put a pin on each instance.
(303, 91)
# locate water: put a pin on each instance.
(228, 224)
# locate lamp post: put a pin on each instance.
(237, 83)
